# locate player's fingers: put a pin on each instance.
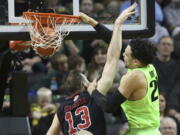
(84, 17)
(130, 10)
(81, 14)
(132, 7)
(131, 13)
(126, 15)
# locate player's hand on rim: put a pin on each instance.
(125, 14)
(87, 19)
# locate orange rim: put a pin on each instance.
(19, 45)
(43, 17)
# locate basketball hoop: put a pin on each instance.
(19, 45)
(45, 34)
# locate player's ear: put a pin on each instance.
(136, 62)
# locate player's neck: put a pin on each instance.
(138, 65)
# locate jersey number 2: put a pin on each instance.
(153, 84)
(84, 112)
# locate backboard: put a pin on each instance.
(105, 11)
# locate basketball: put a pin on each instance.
(45, 39)
(48, 31)
(45, 51)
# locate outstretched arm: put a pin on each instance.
(103, 32)
(113, 54)
(106, 80)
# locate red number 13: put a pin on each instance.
(84, 116)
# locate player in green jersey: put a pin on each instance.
(138, 92)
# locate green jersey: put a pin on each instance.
(144, 113)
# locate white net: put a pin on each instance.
(47, 35)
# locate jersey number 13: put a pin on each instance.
(83, 111)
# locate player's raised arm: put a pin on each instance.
(109, 70)
(113, 53)
(104, 33)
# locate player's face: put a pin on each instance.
(128, 60)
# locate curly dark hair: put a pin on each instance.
(143, 50)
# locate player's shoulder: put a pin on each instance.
(135, 74)
(135, 77)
